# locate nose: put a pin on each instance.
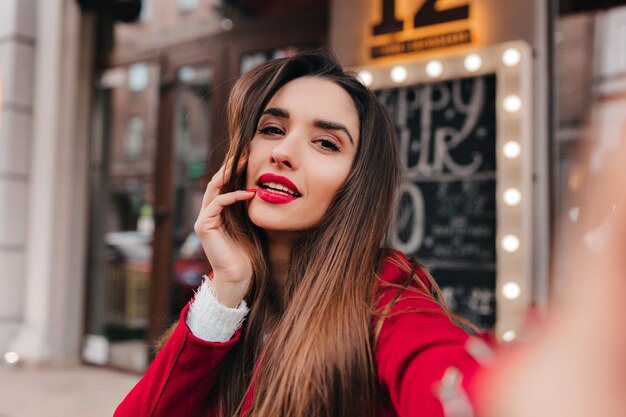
(285, 153)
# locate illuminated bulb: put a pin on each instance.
(574, 212)
(434, 69)
(512, 149)
(366, 78)
(509, 335)
(11, 357)
(512, 104)
(511, 290)
(511, 57)
(473, 62)
(510, 243)
(399, 74)
(512, 196)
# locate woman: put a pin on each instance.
(294, 224)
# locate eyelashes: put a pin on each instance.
(329, 144)
(326, 144)
(271, 130)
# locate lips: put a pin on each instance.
(276, 189)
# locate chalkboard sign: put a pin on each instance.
(447, 209)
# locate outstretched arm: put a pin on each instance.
(426, 364)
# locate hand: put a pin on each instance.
(232, 267)
(577, 365)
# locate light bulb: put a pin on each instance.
(473, 62)
(511, 290)
(399, 74)
(511, 57)
(510, 243)
(512, 196)
(512, 149)
(512, 104)
(366, 77)
(434, 69)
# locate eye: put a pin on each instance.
(271, 130)
(328, 145)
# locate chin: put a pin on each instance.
(270, 221)
(272, 225)
(265, 219)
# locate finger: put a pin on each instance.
(223, 200)
(204, 226)
(210, 219)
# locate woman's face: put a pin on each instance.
(301, 154)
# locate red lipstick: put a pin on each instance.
(276, 189)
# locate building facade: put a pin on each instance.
(109, 132)
(46, 74)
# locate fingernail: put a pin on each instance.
(251, 190)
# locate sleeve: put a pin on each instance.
(210, 320)
(426, 364)
(180, 379)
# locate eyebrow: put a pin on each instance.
(275, 111)
(319, 123)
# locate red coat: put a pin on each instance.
(423, 364)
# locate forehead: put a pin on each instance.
(317, 98)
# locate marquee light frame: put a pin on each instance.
(512, 63)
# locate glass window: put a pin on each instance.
(192, 128)
(251, 60)
(134, 137)
(138, 77)
(122, 222)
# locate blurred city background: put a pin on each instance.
(112, 122)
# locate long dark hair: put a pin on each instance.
(309, 348)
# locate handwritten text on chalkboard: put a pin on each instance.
(447, 209)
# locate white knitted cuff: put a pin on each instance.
(211, 321)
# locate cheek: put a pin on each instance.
(326, 190)
(329, 183)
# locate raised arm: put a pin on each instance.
(180, 380)
(426, 364)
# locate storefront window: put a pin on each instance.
(134, 137)
(160, 134)
(122, 184)
(192, 127)
(251, 60)
(138, 77)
